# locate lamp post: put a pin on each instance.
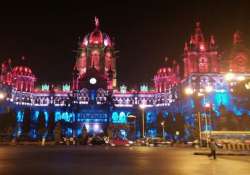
(163, 131)
(190, 91)
(208, 89)
(142, 106)
(202, 93)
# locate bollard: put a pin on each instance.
(13, 141)
(241, 147)
(43, 141)
(235, 146)
(225, 146)
(67, 142)
(248, 147)
(232, 146)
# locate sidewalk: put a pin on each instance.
(206, 151)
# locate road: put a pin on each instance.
(115, 161)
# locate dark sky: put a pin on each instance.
(145, 33)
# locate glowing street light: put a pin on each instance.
(241, 78)
(189, 91)
(163, 131)
(142, 106)
(229, 76)
(247, 86)
(2, 95)
(208, 89)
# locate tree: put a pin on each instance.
(41, 125)
(84, 136)
(227, 120)
(51, 123)
(26, 126)
(160, 119)
(8, 123)
(170, 125)
(58, 132)
(232, 122)
(193, 130)
(213, 118)
(180, 125)
(245, 122)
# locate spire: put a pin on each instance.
(186, 47)
(198, 28)
(97, 22)
(198, 33)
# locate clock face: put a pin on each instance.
(92, 80)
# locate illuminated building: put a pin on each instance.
(210, 77)
(93, 99)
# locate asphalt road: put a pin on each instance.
(116, 161)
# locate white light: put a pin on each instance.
(241, 78)
(207, 105)
(189, 91)
(142, 106)
(132, 116)
(87, 126)
(200, 94)
(247, 85)
(92, 80)
(2, 96)
(209, 89)
(105, 42)
(229, 76)
(96, 127)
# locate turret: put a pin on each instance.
(200, 56)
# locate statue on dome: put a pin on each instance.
(96, 22)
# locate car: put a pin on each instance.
(96, 140)
(142, 142)
(157, 141)
(120, 142)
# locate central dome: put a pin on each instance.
(97, 37)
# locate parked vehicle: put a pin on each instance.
(97, 140)
(142, 142)
(157, 141)
(120, 142)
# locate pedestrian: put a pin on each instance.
(213, 147)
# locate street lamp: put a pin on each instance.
(241, 78)
(229, 76)
(201, 93)
(190, 91)
(208, 89)
(142, 106)
(2, 95)
(163, 131)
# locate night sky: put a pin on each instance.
(145, 33)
